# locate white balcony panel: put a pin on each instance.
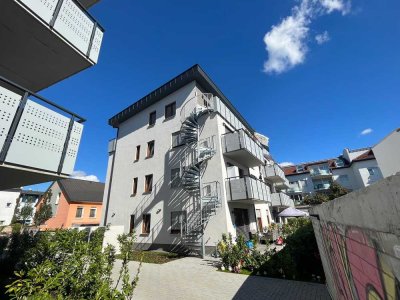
(247, 189)
(96, 45)
(43, 8)
(72, 150)
(73, 24)
(9, 102)
(39, 139)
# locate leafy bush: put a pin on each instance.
(70, 264)
(299, 259)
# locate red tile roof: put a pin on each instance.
(365, 156)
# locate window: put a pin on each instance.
(170, 110)
(134, 186)
(58, 198)
(339, 163)
(175, 177)
(178, 221)
(150, 149)
(79, 212)
(2, 222)
(371, 171)
(176, 139)
(146, 224)
(132, 224)
(300, 168)
(137, 153)
(152, 118)
(148, 183)
(92, 212)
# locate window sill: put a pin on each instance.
(147, 193)
(144, 234)
(148, 157)
(135, 161)
(169, 118)
(150, 126)
(132, 195)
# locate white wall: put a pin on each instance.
(387, 153)
(8, 201)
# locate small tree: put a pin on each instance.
(335, 191)
(25, 213)
(44, 211)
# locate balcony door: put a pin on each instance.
(242, 222)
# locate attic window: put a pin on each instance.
(300, 168)
(339, 163)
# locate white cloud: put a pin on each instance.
(366, 131)
(286, 164)
(83, 176)
(286, 43)
(322, 38)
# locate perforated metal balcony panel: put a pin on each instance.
(35, 56)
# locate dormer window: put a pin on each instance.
(300, 168)
(339, 163)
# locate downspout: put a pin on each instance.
(110, 182)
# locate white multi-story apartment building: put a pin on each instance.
(354, 169)
(186, 167)
(8, 202)
(42, 42)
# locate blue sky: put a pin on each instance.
(312, 98)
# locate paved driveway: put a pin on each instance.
(194, 278)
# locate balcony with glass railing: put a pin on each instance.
(281, 200)
(320, 172)
(44, 42)
(39, 139)
(239, 146)
(321, 186)
(247, 189)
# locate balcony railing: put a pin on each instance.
(46, 41)
(275, 174)
(247, 189)
(70, 19)
(320, 172)
(239, 146)
(294, 189)
(35, 135)
(282, 200)
(322, 186)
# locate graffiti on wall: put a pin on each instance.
(363, 264)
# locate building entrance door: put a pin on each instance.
(242, 222)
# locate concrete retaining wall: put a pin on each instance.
(358, 237)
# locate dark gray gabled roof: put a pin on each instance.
(76, 190)
(194, 73)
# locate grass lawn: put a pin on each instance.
(153, 257)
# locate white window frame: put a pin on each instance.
(83, 210)
(95, 212)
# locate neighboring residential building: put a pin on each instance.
(74, 203)
(8, 202)
(186, 167)
(387, 153)
(28, 198)
(42, 43)
(354, 169)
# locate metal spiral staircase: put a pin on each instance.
(194, 161)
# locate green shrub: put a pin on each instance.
(70, 264)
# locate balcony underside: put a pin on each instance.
(244, 157)
(321, 176)
(34, 56)
(89, 3)
(15, 177)
(249, 201)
